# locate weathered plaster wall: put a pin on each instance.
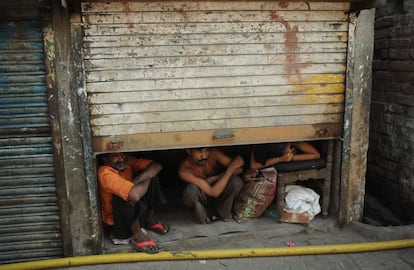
(357, 108)
(76, 199)
(390, 172)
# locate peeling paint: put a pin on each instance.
(346, 123)
(70, 115)
(82, 92)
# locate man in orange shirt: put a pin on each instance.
(128, 202)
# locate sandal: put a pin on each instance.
(215, 218)
(158, 228)
(146, 246)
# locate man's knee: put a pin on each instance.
(154, 183)
(191, 194)
(235, 184)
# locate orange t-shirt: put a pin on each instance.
(112, 181)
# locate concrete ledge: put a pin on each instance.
(381, 233)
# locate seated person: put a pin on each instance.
(206, 186)
(128, 202)
(272, 154)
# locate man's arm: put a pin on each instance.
(308, 152)
(151, 171)
(259, 151)
(137, 191)
(187, 175)
(141, 182)
(225, 160)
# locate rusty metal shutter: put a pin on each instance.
(29, 215)
(185, 73)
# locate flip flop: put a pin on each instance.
(158, 228)
(215, 218)
(146, 246)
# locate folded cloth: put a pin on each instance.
(300, 200)
(117, 241)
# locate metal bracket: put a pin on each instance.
(223, 134)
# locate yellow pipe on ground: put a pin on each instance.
(211, 254)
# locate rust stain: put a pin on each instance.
(127, 13)
(291, 46)
(323, 133)
(283, 4)
(290, 34)
(126, 6)
(115, 146)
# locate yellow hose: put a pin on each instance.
(211, 254)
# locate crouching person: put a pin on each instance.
(207, 186)
(127, 202)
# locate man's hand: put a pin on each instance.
(133, 198)
(238, 171)
(131, 203)
(287, 155)
(237, 162)
(136, 193)
(140, 178)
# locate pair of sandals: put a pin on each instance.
(149, 246)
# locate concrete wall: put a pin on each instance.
(390, 172)
(77, 196)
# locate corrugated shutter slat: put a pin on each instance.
(29, 215)
(158, 73)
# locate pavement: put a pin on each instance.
(262, 243)
(193, 246)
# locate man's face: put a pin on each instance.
(117, 161)
(199, 155)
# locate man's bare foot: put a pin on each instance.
(200, 214)
(226, 219)
(205, 221)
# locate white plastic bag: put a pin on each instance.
(301, 199)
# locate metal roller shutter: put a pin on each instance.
(171, 74)
(29, 215)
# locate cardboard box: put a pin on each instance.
(301, 218)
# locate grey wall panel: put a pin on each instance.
(29, 215)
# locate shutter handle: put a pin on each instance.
(223, 134)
